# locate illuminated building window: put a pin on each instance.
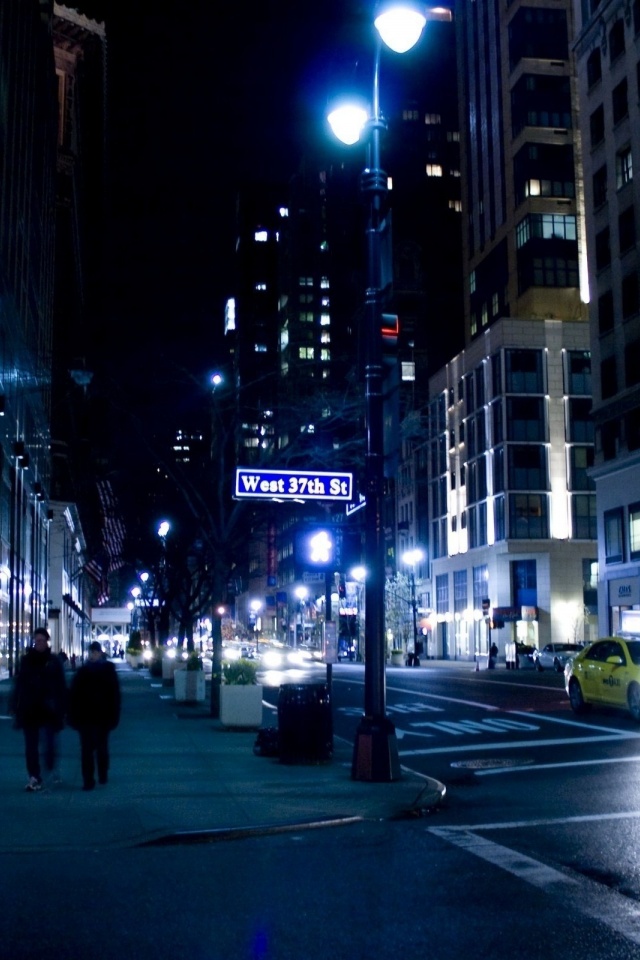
(434, 170)
(325, 319)
(325, 337)
(260, 348)
(306, 353)
(325, 354)
(430, 118)
(410, 114)
(408, 370)
(454, 173)
(325, 374)
(306, 316)
(261, 286)
(284, 211)
(624, 167)
(261, 236)
(305, 281)
(455, 205)
(325, 301)
(453, 136)
(324, 283)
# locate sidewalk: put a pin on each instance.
(175, 770)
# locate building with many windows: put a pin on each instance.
(511, 502)
(607, 52)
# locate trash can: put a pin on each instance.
(305, 723)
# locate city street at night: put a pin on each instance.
(531, 853)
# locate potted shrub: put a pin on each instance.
(134, 649)
(189, 681)
(397, 657)
(240, 694)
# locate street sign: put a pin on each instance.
(292, 485)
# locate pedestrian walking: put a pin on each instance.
(38, 702)
(94, 711)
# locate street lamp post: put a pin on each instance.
(255, 606)
(411, 558)
(375, 755)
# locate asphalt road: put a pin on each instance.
(533, 855)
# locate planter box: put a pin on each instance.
(397, 659)
(169, 665)
(241, 706)
(189, 685)
(135, 662)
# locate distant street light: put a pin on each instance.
(163, 529)
(301, 593)
(375, 755)
(255, 607)
(412, 558)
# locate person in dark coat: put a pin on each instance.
(39, 702)
(94, 711)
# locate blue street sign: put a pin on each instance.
(292, 485)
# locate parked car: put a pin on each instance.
(607, 672)
(525, 654)
(555, 656)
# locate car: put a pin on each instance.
(524, 652)
(555, 656)
(606, 672)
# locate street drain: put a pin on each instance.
(488, 764)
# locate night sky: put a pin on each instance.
(202, 97)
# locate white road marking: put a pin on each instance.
(578, 893)
(557, 766)
(509, 745)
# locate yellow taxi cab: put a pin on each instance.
(606, 672)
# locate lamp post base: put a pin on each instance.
(375, 751)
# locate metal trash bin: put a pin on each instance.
(305, 723)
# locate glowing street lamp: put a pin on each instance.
(412, 558)
(375, 755)
(255, 607)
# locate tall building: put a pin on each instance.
(511, 503)
(607, 58)
(27, 234)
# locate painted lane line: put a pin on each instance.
(430, 696)
(579, 894)
(543, 822)
(557, 766)
(520, 865)
(573, 723)
(513, 745)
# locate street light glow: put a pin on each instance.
(164, 528)
(413, 557)
(400, 25)
(348, 122)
